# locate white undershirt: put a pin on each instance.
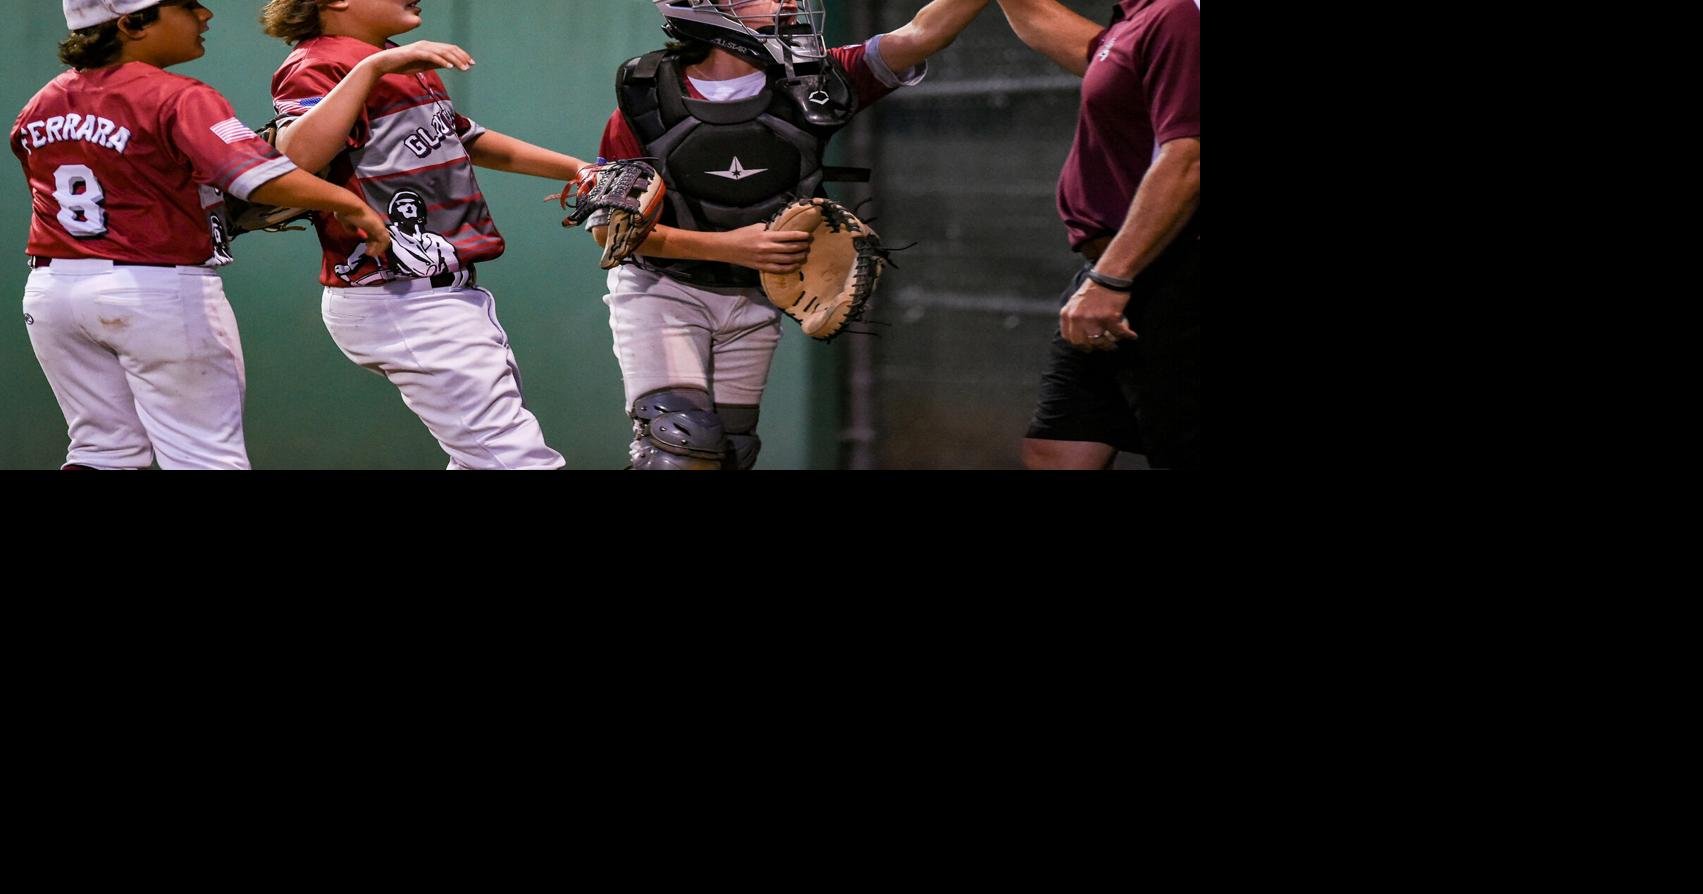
(742, 87)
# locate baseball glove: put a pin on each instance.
(625, 196)
(245, 216)
(845, 263)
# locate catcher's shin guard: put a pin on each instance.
(676, 428)
(740, 422)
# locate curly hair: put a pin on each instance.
(292, 21)
(98, 46)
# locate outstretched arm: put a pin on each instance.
(931, 30)
(1053, 31)
(501, 152)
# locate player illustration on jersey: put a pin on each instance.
(416, 251)
(420, 251)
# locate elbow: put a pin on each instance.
(290, 148)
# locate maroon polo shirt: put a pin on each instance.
(1141, 90)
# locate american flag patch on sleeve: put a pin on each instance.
(296, 106)
(232, 131)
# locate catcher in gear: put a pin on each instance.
(737, 113)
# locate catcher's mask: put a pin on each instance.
(408, 210)
(768, 32)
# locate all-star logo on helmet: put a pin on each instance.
(782, 33)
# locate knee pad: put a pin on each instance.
(740, 423)
(676, 428)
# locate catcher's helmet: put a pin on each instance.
(785, 32)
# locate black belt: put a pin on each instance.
(36, 262)
(445, 280)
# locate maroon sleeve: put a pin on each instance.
(869, 88)
(222, 151)
(302, 83)
(619, 141)
(1171, 75)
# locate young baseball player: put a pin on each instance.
(127, 165)
(739, 110)
(379, 115)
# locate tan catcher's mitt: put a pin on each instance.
(845, 263)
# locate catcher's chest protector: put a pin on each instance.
(732, 164)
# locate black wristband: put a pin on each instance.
(1111, 282)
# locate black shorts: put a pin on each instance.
(1143, 397)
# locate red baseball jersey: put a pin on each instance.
(126, 163)
(407, 154)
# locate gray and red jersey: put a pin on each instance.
(869, 74)
(1141, 90)
(123, 164)
(407, 154)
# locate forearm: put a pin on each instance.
(501, 152)
(299, 189)
(316, 137)
(671, 242)
(1163, 204)
(1053, 31)
(931, 30)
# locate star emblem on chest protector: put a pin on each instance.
(736, 171)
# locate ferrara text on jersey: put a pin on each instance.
(72, 126)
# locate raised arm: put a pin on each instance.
(1053, 31)
(931, 30)
(315, 138)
